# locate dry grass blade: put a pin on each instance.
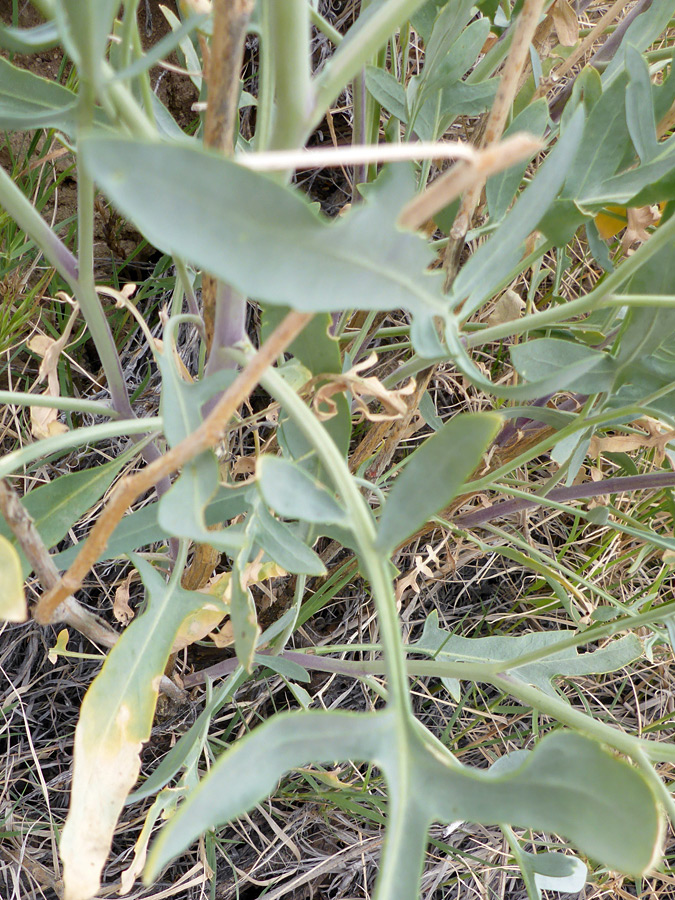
(467, 176)
(518, 55)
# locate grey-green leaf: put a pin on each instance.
(294, 494)
(434, 475)
(55, 507)
(446, 647)
(29, 101)
(265, 239)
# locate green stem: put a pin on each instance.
(365, 38)
(563, 712)
(600, 296)
(31, 223)
(68, 404)
(289, 33)
(265, 109)
(362, 524)
(85, 289)
(325, 27)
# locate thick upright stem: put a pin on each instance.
(289, 31)
(224, 308)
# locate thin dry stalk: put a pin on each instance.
(518, 55)
(209, 433)
(612, 13)
(467, 176)
(230, 23)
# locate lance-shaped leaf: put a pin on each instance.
(29, 40)
(434, 475)
(282, 545)
(252, 767)
(182, 510)
(28, 101)
(84, 30)
(446, 647)
(140, 528)
(265, 239)
(568, 785)
(576, 366)
(56, 506)
(12, 598)
(494, 259)
(115, 721)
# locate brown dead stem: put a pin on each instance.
(28, 537)
(209, 433)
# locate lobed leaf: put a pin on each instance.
(569, 785)
(567, 662)
(265, 239)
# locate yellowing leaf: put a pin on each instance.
(610, 221)
(59, 647)
(12, 598)
(115, 721)
(200, 623)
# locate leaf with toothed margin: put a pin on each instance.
(267, 240)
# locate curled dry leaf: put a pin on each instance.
(639, 220)
(565, 22)
(625, 443)
(121, 609)
(394, 403)
(44, 419)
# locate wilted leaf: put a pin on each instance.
(393, 401)
(639, 220)
(13, 606)
(115, 721)
(121, 609)
(44, 419)
(508, 308)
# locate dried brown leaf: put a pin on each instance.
(508, 308)
(394, 403)
(565, 22)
